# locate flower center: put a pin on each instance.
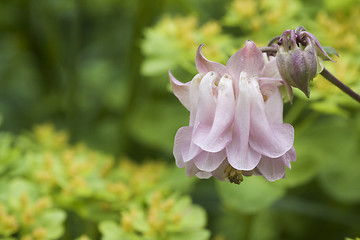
(234, 175)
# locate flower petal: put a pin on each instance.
(286, 71)
(206, 104)
(273, 103)
(271, 70)
(305, 65)
(194, 97)
(203, 175)
(208, 162)
(248, 59)
(182, 90)
(319, 49)
(191, 169)
(181, 145)
(218, 173)
(274, 168)
(203, 110)
(289, 156)
(203, 65)
(271, 168)
(240, 155)
(184, 149)
(215, 137)
(272, 140)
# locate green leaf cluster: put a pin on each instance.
(45, 181)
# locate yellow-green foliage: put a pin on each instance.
(160, 217)
(178, 37)
(28, 214)
(48, 177)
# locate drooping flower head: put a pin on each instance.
(236, 125)
(300, 58)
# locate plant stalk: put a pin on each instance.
(331, 78)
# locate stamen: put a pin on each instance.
(234, 175)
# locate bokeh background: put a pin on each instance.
(88, 120)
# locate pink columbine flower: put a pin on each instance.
(236, 119)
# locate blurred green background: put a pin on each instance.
(88, 120)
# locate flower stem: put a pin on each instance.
(331, 78)
(274, 40)
(268, 49)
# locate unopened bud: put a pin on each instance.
(299, 59)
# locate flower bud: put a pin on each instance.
(299, 59)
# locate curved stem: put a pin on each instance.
(272, 41)
(331, 78)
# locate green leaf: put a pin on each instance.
(339, 174)
(332, 146)
(16, 189)
(53, 221)
(111, 231)
(252, 195)
(194, 217)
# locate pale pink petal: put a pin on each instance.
(271, 140)
(203, 65)
(181, 91)
(289, 157)
(208, 162)
(271, 70)
(204, 111)
(215, 137)
(248, 59)
(206, 104)
(184, 149)
(181, 144)
(191, 153)
(271, 168)
(274, 168)
(194, 97)
(273, 103)
(240, 155)
(203, 175)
